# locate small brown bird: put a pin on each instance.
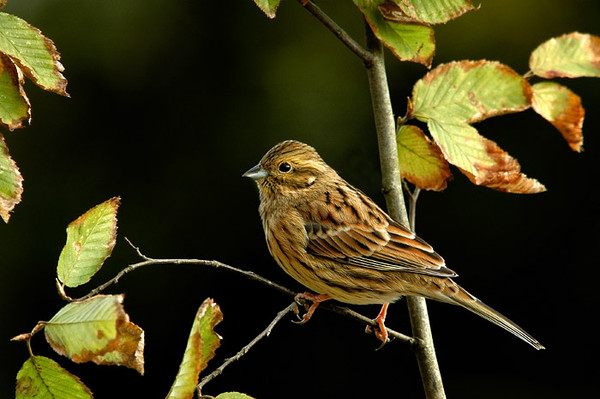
(337, 242)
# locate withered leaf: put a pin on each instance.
(561, 107)
(97, 330)
(571, 55)
(11, 182)
(202, 344)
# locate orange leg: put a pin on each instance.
(306, 297)
(380, 330)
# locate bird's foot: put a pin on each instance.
(379, 329)
(310, 302)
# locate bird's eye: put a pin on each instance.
(285, 167)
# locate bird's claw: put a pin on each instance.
(304, 299)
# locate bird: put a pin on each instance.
(337, 242)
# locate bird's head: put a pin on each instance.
(288, 169)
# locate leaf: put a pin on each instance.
(454, 95)
(34, 53)
(408, 40)
(480, 159)
(269, 7)
(428, 11)
(571, 55)
(233, 395)
(90, 240)
(421, 161)
(97, 330)
(43, 378)
(14, 104)
(561, 107)
(202, 344)
(11, 182)
(469, 91)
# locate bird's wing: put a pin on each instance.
(386, 247)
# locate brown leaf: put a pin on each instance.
(504, 174)
(561, 107)
(97, 330)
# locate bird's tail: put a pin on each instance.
(455, 294)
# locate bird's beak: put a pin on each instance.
(256, 172)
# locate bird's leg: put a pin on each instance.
(380, 331)
(303, 299)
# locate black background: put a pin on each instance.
(171, 101)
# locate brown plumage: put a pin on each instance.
(337, 242)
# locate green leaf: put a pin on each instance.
(561, 107)
(11, 182)
(408, 40)
(269, 7)
(421, 161)
(202, 344)
(98, 330)
(34, 53)
(454, 95)
(90, 240)
(469, 91)
(14, 104)
(43, 378)
(571, 55)
(428, 11)
(233, 395)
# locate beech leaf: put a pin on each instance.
(480, 159)
(11, 182)
(469, 91)
(451, 97)
(43, 378)
(421, 161)
(269, 7)
(202, 344)
(428, 11)
(35, 54)
(14, 104)
(90, 240)
(572, 55)
(233, 395)
(561, 107)
(97, 330)
(408, 40)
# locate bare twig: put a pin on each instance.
(248, 274)
(265, 333)
(338, 32)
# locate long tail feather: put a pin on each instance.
(468, 301)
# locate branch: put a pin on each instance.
(392, 189)
(147, 261)
(345, 38)
(265, 333)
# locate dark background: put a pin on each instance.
(171, 101)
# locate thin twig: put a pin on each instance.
(245, 349)
(338, 32)
(248, 274)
